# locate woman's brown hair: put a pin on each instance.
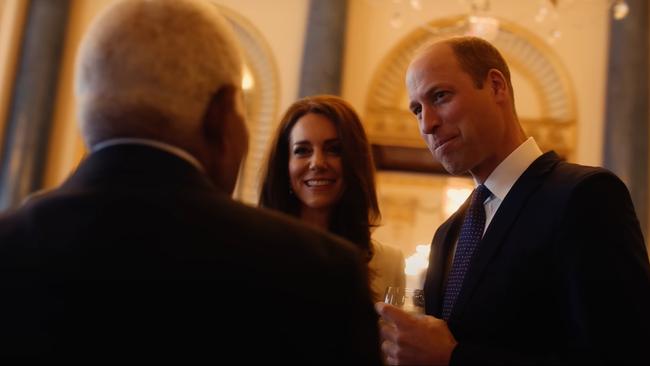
(357, 211)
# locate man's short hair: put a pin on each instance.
(160, 60)
(477, 57)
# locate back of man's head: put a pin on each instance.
(149, 68)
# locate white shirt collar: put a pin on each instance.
(151, 143)
(511, 168)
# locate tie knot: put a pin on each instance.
(480, 194)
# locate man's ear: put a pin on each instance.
(498, 84)
(220, 109)
(225, 137)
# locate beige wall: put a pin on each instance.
(284, 37)
(283, 24)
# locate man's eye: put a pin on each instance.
(440, 96)
(416, 110)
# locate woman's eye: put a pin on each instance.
(300, 150)
(334, 149)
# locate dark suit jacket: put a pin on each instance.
(561, 274)
(138, 258)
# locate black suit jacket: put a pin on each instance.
(561, 274)
(138, 258)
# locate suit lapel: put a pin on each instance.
(501, 223)
(442, 242)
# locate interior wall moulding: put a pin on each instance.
(261, 86)
(390, 125)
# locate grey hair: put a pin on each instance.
(158, 61)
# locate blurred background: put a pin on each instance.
(579, 68)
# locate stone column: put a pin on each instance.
(626, 122)
(30, 114)
(322, 58)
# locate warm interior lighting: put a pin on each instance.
(484, 27)
(416, 266)
(247, 81)
(454, 198)
(620, 9)
(418, 261)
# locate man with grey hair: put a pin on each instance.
(141, 255)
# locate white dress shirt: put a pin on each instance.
(506, 174)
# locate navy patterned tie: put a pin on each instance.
(471, 232)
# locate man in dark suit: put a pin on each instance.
(141, 255)
(545, 263)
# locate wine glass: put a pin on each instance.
(410, 300)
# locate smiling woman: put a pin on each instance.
(315, 169)
(320, 169)
(310, 128)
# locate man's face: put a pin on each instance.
(461, 124)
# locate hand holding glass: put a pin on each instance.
(408, 299)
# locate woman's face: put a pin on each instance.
(315, 166)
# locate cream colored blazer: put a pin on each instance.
(387, 264)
